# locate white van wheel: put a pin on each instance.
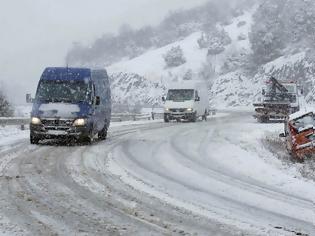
(194, 118)
(204, 117)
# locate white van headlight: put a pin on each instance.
(167, 109)
(79, 122)
(190, 109)
(35, 121)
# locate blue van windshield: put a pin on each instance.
(68, 91)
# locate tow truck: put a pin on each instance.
(280, 99)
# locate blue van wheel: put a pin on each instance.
(34, 139)
(86, 140)
(103, 133)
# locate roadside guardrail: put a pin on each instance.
(4, 121)
(116, 117)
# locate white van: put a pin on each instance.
(187, 100)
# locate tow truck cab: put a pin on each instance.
(71, 103)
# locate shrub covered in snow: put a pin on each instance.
(188, 75)
(215, 49)
(279, 24)
(234, 61)
(241, 23)
(242, 37)
(213, 36)
(174, 57)
(207, 73)
(5, 107)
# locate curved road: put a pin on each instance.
(207, 178)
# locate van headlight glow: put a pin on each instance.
(190, 109)
(79, 122)
(167, 109)
(35, 121)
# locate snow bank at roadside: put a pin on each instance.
(10, 135)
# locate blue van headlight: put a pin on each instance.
(80, 122)
(36, 121)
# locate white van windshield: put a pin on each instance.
(180, 95)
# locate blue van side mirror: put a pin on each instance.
(97, 100)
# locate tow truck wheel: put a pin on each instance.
(34, 139)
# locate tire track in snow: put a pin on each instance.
(269, 193)
(46, 200)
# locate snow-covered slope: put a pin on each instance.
(144, 78)
(238, 31)
(232, 86)
(240, 89)
(233, 89)
(151, 65)
(132, 89)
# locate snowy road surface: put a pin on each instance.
(207, 178)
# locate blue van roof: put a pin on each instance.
(65, 73)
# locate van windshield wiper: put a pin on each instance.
(46, 100)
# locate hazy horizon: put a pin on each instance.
(39, 33)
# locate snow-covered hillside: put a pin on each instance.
(232, 87)
(147, 75)
(133, 89)
(151, 65)
(144, 79)
(298, 67)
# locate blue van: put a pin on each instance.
(71, 103)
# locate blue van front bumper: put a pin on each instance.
(52, 128)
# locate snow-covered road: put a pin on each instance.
(207, 178)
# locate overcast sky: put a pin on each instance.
(38, 33)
